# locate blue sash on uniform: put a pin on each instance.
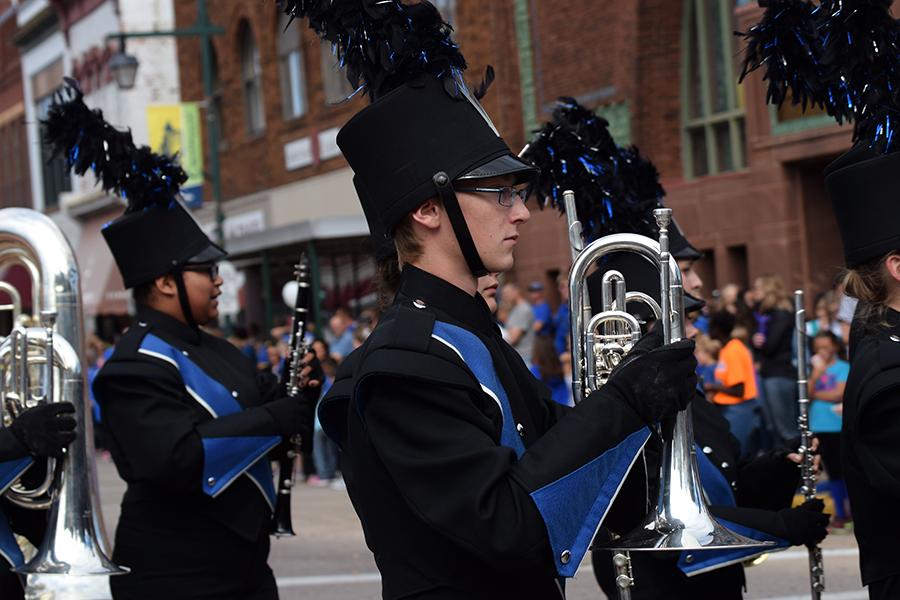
(224, 458)
(573, 506)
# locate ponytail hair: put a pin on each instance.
(871, 284)
(388, 275)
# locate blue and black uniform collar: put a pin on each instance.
(434, 292)
(167, 324)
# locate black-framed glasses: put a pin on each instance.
(209, 269)
(506, 195)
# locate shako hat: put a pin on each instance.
(424, 129)
(864, 188)
(398, 144)
(156, 235)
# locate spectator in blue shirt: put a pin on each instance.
(339, 333)
(561, 325)
(543, 316)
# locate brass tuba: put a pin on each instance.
(41, 360)
(681, 519)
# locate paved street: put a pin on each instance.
(329, 561)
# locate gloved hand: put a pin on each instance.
(805, 524)
(46, 428)
(293, 416)
(658, 382)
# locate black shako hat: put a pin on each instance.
(864, 187)
(157, 241)
(640, 276)
(412, 144)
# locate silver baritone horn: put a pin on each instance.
(41, 360)
(681, 519)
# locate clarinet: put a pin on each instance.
(281, 519)
(808, 475)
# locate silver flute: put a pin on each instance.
(808, 473)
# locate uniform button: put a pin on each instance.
(894, 338)
(234, 394)
(521, 429)
(724, 465)
(565, 557)
(185, 352)
(141, 324)
(689, 558)
(707, 450)
(211, 481)
(734, 484)
(419, 303)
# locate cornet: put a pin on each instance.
(681, 519)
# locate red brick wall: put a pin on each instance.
(252, 163)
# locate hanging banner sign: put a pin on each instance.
(175, 129)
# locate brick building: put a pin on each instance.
(744, 179)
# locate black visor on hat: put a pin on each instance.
(679, 245)
(503, 165)
(212, 253)
(863, 186)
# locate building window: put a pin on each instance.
(290, 69)
(712, 102)
(14, 183)
(54, 173)
(334, 78)
(216, 113)
(251, 80)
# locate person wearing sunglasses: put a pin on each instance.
(189, 422)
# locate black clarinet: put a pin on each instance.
(281, 519)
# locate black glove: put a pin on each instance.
(805, 524)
(659, 382)
(46, 429)
(293, 416)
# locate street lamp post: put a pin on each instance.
(124, 68)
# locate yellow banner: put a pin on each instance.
(175, 129)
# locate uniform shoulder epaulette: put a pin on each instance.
(127, 346)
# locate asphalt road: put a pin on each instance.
(328, 560)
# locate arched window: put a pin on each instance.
(713, 139)
(251, 80)
(290, 69)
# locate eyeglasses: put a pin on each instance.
(506, 196)
(210, 269)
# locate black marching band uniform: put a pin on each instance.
(189, 421)
(38, 432)
(863, 188)
(842, 58)
(469, 481)
(616, 192)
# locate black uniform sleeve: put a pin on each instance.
(878, 431)
(457, 478)
(767, 482)
(159, 434)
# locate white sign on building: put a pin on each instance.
(298, 154)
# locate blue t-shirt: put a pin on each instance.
(543, 314)
(559, 388)
(822, 418)
(562, 326)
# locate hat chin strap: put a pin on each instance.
(178, 274)
(458, 221)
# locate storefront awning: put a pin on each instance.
(102, 290)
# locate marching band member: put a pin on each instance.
(616, 192)
(468, 480)
(862, 185)
(39, 432)
(834, 61)
(189, 422)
